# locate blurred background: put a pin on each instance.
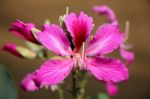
(136, 11)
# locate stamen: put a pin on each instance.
(67, 10)
(75, 62)
(83, 48)
(126, 36)
(61, 20)
(88, 40)
(126, 30)
(78, 61)
(91, 37)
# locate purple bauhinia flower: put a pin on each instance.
(109, 13)
(23, 30)
(88, 53)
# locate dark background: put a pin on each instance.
(136, 11)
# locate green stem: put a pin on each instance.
(78, 87)
(60, 91)
(74, 91)
(83, 80)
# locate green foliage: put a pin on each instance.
(7, 86)
(99, 96)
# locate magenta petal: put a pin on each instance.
(111, 88)
(108, 12)
(28, 84)
(23, 30)
(54, 38)
(108, 70)
(79, 26)
(127, 55)
(53, 72)
(10, 47)
(107, 39)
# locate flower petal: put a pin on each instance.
(127, 55)
(28, 84)
(23, 30)
(108, 70)
(54, 38)
(79, 27)
(111, 88)
(53, 72)
(107, 39)
(108, 12)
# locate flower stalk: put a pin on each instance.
(74, 85)
(60, 92)
(79, 81)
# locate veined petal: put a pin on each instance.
(111, 88)
(108, 70)
(79, 26)
(54, 38)
(23, 30)
(53, 72)
(108, 12)
(127, 55)
(107, 39)
(28, 84)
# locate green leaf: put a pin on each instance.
(99, 96)
(7, 86)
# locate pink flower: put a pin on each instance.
(23, 30)
(109, 13)
(88, 54)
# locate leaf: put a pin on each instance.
(99, 96)
(7, 86)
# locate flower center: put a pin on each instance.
(79, 61)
